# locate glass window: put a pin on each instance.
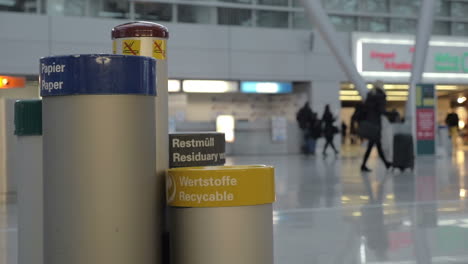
(274, 2)
(405, 7)
(194, 14)
(26, 6)
(373, 24)
(459, 9)
(234, 16)
(74, 8)
(344, 23)
(153, 11)
(275, 19)
(65, 7)
(441, 28)
(460, 29)
(341, 5)
(300, 20)
(297, 3)
(380, 6)
(442, 8)
(107, 8)
(400, 25)
(234, 1)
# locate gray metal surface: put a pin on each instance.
(27, 169)
(162, 131)
(227, 235)
(99, 179)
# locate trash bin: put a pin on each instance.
(221, 214)
(26, 168)
(99, 159)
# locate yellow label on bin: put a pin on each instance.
(159, 49)
(131, 47)
(114, 47)
(220, 186)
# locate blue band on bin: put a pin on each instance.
(97, 74)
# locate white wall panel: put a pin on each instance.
(267, 66)
(198, 63)
(320, 46)
(82, 29)
(17, 26)
(198, 36)
(269, 40)
(24, 39)
(21, 56)
(67, 48)
(323, 67)
(195, 51)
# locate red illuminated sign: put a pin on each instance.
(425, 124)
(397, 66)
(382, 55)
(387, 58)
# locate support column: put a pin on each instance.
(318, 17)
(425, 22)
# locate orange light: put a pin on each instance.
(7, 82)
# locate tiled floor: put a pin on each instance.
(328, 212)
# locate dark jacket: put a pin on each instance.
(304, 117)
(374, 106)
(358, 116)
(328, 129)
(452, 120)
(315, 129)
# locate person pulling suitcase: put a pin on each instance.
(370, 125)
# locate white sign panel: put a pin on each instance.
(389, 57)
(279, 128)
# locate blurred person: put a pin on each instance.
(371, 124)
(314, 133)
(452, 122)
(329, 130)
(304, 119)
(393, 116)
(344, 129)
(354, 124)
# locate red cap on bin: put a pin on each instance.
(140, 29)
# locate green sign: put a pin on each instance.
(425, 119)
(446, 62)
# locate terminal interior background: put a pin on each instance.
(217, 47)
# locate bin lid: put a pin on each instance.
(28, 117)
(140, 29)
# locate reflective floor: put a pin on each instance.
(327, 211)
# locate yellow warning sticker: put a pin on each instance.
(220, 186)
(131, 47)
(159, 49)
(114, 47)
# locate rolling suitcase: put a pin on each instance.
(403, 152)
